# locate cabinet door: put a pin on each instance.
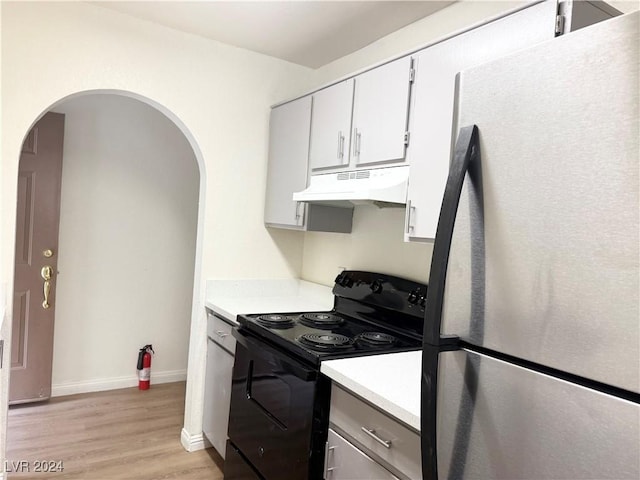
(346, 462)
(433, 103)
(380, 109)
(331, 126)
(288, 159)
(217, 396)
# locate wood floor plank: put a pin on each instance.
(118, 434)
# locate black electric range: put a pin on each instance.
(279, 413)
(318, 336)
(373, 314)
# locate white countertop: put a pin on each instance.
(391, 382)
(228, 298)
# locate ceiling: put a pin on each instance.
(309, 33)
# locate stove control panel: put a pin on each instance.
(381, 290)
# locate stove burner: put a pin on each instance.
(321, 320)
(376, 339)
(325, 341)
(276, 321)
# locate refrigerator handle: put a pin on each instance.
(467, 149)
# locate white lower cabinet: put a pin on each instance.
(346, 462)
(365, 437)
(217, 391)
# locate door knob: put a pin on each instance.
(46, 273)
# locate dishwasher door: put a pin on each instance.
(217, 387)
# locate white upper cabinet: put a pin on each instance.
(365, 121)
(331, 127)
(433, 103)
(380, 112)
(287, 173)
(288, 159)
(362, 121)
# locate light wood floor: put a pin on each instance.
(119, 434)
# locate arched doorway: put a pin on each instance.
(140, 179)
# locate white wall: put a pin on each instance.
(375, 244)
(219, 96)
(128, 218)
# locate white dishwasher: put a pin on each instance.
(221, 347)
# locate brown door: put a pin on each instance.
(37, 221)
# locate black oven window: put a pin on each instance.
(268, 389)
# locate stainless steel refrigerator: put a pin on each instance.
(531, 358)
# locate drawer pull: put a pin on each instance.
(221, 334)
(327, 469)
(372, 434)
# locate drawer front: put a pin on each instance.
(220, 332)
(392, 442)
(346, 462)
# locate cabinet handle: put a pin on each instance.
(355, 142)
(340, 144)
(327, 469)
(221, 334)
(299, 216)
(372, 434)
(410, 217)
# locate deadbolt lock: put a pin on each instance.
(47, 253)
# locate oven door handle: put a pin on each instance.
(261, 349)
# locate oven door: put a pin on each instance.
(272, 409)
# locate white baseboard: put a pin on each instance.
(113, 383)
(191, 443)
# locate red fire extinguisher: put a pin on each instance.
(144, 367)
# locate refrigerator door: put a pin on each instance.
(500, 421)
(544, 260)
